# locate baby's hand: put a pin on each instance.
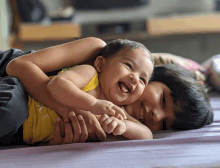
(107, 107)
(112, 125)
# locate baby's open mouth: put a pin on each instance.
(124, 88)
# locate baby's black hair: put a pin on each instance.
(192, 107)
(117, 45)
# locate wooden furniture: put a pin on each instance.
(54, 31)
(29, 32)
(175, 25)
(14, 41)
(189, 24)
(161, 26)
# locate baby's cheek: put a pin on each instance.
(140, 92)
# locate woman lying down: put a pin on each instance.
(173, 99)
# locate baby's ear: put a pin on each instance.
(99, 63)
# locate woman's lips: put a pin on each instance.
(141, 114)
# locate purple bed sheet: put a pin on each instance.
(194, 148)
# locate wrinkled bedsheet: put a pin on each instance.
(193, 148)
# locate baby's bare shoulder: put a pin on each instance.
(85, 69)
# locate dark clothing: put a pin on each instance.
(14, 139)
(13, 109)
(13, 101)
(7, 56)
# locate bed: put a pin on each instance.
(192, 148)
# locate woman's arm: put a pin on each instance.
(30, 69)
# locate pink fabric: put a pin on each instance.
(193, 66)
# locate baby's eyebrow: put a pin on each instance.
(144, 74)
(129, 60)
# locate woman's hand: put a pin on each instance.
(95, 131)
(75, 131)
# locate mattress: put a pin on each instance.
(192, 148)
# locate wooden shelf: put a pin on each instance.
(175, 25)
(161, 26)
(55, 31)
(190, 24)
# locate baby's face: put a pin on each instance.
(124, 76)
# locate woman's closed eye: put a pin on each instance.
(163, 103)
(164, 126)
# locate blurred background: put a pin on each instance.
(188, 28)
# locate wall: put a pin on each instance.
(4, 26)
(154, 8)
(196, 47)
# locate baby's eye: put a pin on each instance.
(128, 65)
(143, 80)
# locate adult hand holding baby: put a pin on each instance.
(75, 130)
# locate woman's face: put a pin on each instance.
(154, 108)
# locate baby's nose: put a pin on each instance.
(133, 78)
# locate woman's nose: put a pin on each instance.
(157, 115)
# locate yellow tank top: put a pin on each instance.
(40, 124)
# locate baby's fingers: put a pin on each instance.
(119, 130)
(119, 113)
(107, 125)
(111, 126)
(103, 118)
(110, 111)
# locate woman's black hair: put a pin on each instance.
(117, 45)
(191, 102)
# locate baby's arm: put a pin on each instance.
(129, 129)
(137, 131)
(30, 69)
(66, 87)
